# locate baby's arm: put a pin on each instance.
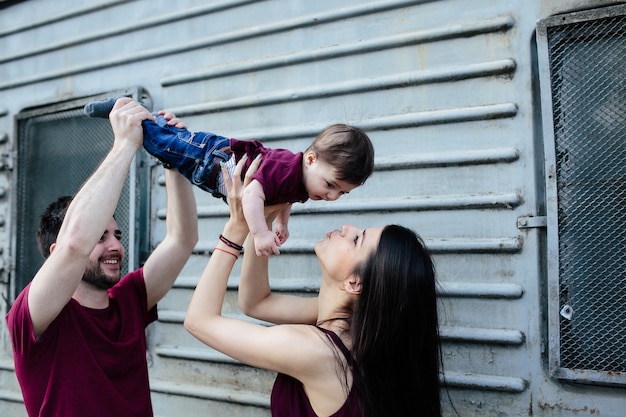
(265, 241)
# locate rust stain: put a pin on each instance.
(545, 406)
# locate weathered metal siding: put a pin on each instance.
(447, 91)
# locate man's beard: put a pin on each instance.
(95, 276)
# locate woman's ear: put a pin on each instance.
(52, 246)
(353, 286)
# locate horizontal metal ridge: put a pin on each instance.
(111, 31)
(67, 15)
(446, 289)
(442, 245)
(210, 393)
(464, 30)
(485, 382)
(432, 159)
(452, 379)
(178, 316)
(482, 336)
(205, 355)
(409, 203)
(352, 86)
(7, 365)
(393, 121)
(11, 396)
(451, 158)
(347, 49)
(481, 290)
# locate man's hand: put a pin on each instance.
(126, 118)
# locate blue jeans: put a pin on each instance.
(196, 155)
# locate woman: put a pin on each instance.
(367, 345)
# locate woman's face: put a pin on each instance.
(343, 249)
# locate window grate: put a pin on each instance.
(58, 148)
(585, 139)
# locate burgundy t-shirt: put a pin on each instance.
(87, 362)
(280, 173)
(288, 398)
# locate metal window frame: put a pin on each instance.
(133, 249)
(593, 377)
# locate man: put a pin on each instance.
(78, 330)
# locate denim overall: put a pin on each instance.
(195, 155)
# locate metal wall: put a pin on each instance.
(446, 89)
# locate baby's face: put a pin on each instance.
(321, 182)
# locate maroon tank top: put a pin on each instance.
(289, 399)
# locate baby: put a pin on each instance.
(340, 159)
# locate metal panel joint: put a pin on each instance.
(527, 222)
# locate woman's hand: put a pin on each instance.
(204, 315)
(235, 187)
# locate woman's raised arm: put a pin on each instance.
(255, 297)
(284, 349)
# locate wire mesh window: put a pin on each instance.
(58, 148)
(583, 81)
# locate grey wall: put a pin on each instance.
(447, 91)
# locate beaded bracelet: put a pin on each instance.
(230, 244)
(230, 253)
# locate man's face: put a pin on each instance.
(105, 261)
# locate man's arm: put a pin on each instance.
(86, 219)
(165, 263)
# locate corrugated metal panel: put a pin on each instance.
(448, 95)
(441, 108)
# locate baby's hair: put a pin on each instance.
(348, 149)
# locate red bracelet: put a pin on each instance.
(230, 244)
(230, 253)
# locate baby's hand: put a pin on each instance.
(266, 243)
(282, 232)
(172, 120)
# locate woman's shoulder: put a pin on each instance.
(311, 339)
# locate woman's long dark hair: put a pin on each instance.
(395, 330)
